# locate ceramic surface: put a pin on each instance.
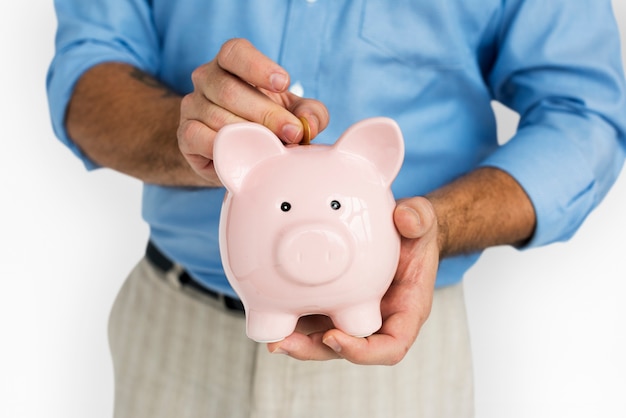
(308, 229)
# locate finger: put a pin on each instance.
(377, 349)
(195, 138)
(304, 347)
(386, 347)
(195, 141)
(312, 110)
(404, 311)
(247, 102)
(200, 121)
(195, 106)
(241, 58)
(204, 167)
(414, 217)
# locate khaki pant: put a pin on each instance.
(179, 354)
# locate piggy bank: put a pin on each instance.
(308, 229)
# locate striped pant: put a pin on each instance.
(180, 354)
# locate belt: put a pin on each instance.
(164, 264)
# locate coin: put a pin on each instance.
(306, 136)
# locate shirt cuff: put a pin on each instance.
(556, 177)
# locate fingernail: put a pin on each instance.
(290, 133)
(280, 350)
(279, 81)
(413, 227)
(414, 215)
(332, 343)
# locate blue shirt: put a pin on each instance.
(433, 66)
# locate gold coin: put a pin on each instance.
(306, 136)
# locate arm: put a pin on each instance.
(124, 119)
(127, 120)
(483, 209)
(104, 105)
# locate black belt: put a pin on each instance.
(161, 262)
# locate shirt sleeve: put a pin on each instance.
(559, 66)
(92, 32)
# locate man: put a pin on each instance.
(143, 86)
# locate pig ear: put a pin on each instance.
(378, 140)
(240, 147)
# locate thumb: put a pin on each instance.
(414, 217)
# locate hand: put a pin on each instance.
(405, 307)
(241, 84)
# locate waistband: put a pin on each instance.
(165, 265)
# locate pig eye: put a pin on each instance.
(335, 205)
(285, 206)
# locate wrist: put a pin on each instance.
(484, 208)
(443, 228)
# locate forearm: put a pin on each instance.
(125, 120)
(482, 209)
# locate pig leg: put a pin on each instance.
(359, 320)
(269, 327)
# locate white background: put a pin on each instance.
(548, 325)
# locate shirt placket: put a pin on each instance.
(302, 44)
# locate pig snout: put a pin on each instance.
(312, 255)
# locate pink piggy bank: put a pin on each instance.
(308, 229)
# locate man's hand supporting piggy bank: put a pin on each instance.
(310, 229)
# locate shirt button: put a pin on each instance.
(297, 88)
